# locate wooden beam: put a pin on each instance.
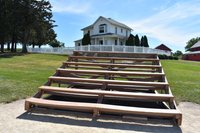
(111, 65)
(159, 97)
(61, 70)
(158, 84)
(112, 58)
(114, 86)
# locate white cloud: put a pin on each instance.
(166, 25)
(70, 6)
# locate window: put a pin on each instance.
(115, 30)
(126, 33)
(102, 28)
(121, 30)
(121, 43)
(101, 42)
(115, 42)
(89, 32)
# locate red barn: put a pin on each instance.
(194, 53)
(163, 47)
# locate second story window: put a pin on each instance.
(121, 30)
(115, 30)
(102, 28)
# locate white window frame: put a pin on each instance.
(103, 28)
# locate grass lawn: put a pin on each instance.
(20, 76)
(184, 79)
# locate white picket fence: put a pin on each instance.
(60, 50)
(111, 48)
(116, 48)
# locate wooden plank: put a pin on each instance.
(61, 70)
(109, 68)
(106, 52)
(112, 58)
(115, 87)
(160, 97)
(103, 108)
(111, 65)
(159, 84)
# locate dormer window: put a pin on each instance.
(102, 28)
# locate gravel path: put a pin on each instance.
(13, 119)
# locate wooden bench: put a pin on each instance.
(106, 53)
(103, 81)
(61, 70)
(72, 58)
(97, 108)
(111, 65)
(145, 96)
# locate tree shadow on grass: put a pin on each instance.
(10, 55)
(105, 121)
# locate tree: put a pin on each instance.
(28, 22)
(56, 43)
(142, 42)
(4, 13)
(86, 39)
(191, 42)
(146, 44)
(178, 53)
(130, 41)
(137, 40)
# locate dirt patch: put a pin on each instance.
(13, 119)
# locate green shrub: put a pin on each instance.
(165, 57)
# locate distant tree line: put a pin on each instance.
(25, 22)
(135, 41)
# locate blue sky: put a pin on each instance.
(172, 22)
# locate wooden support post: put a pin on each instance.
(96, 113)
(27, 105)
(179, 119)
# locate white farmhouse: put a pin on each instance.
(106, 31)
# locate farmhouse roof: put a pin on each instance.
(110, 20)
(163, 47)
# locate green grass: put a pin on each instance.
(20, 76)
(184, 79)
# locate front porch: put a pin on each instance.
(107, 40)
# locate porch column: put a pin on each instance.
(103, 41)
(118, 41)
(95, 41)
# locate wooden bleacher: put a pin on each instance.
(128, 79)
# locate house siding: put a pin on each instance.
(192, 57)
